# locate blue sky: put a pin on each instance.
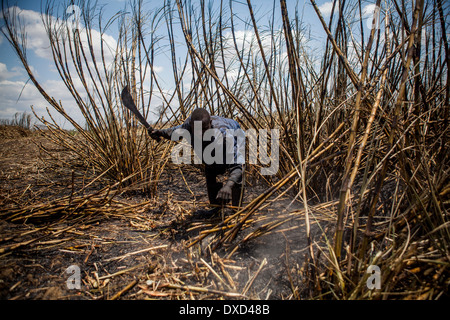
(15, 96)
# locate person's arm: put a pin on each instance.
(225, 192)
(235, 174)
(235, 168)
(167, 133)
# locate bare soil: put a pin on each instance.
(136, 256)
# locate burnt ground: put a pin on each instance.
(141, 254)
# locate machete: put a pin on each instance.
(128, 102)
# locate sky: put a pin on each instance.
(17, 94)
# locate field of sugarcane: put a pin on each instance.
(363, 176)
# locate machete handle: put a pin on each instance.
(150, 130)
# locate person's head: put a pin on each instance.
(202, 115)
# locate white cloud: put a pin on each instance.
(246, 43)
(38, 39)
(17, 97)
(327, 7)
(243, 38)
(11, 103)
(368, 10)
(246, 40)
(6, 74)
(158, 69)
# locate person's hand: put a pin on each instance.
(155, 134)
(225, 192)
